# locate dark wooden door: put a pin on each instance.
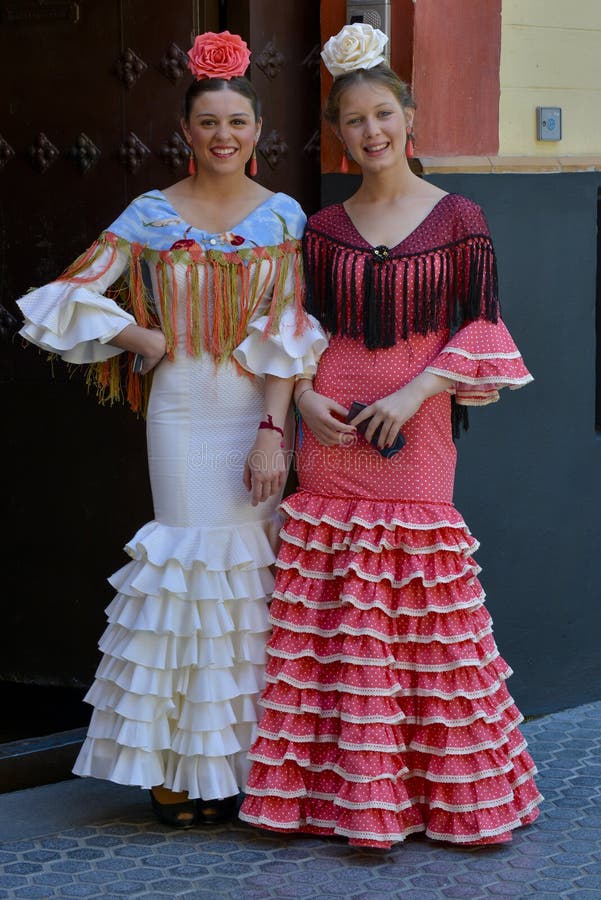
(89, 118)
(285, 42)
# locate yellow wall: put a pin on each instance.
(550, 56)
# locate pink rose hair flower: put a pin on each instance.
(222, 55)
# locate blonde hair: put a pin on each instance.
(381, 75)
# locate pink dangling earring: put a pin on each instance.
(252, 169)
(344, 160)
(410, 144)
(191, 163)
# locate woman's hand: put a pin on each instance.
(393, 411)
(323, 416)
(266, 466)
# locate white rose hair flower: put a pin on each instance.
(356, 46)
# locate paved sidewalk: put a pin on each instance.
(85, 838)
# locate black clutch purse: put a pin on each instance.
(386, 452)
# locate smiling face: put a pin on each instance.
(222, 131)
(373, 125)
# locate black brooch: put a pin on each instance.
(381, 252)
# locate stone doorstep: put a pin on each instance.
(42, 760)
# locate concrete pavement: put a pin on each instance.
(90, 839)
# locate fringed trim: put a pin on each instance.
(382, 296)
(113, 381)
(219, 303)
(83, 264)
(459, 418)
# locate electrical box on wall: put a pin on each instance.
(548, 123)
(371, 12)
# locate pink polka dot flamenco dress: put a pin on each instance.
(386, 710)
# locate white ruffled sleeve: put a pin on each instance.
(283, 352)
(71, 316)
(282, 339)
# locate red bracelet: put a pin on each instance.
(269, 424)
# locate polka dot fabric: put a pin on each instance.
(386, 710)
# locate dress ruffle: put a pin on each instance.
(75, 322)
(175, 694)
(386, 706)
(72, 317)
(481, 359)
(285, 352)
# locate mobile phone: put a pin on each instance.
(386, 452)
(138, 362)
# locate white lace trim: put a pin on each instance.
(288, 597)
(357, 546)
(327, 767)
(390, 525)
(458, 751)
(300, 824)
(380, 636)
(388, 837)
(520, 747)
(333, 714)
(467, 807)
(515, 354)
(398, 689)
(297, 738)
(494, 381)
(389, 662)
(464, 778)
(486, 832)
(527, 776)
(472, 569)
(331, 739)
(484, 399)
(393, 720)
(335, 686)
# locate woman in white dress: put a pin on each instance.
(200, 285)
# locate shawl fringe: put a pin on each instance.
(384, 297)
(218, 307)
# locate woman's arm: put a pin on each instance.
(148, 342)
(393, 411)
(267, 463)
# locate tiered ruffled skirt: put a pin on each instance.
(175, 694)
(386, 708)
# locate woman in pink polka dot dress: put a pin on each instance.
(386, 710)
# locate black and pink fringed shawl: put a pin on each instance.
(441, 276)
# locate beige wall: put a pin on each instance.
(550, 56)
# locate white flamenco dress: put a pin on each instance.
(175, 695)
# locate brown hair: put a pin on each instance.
(382, 75)
(240, 85)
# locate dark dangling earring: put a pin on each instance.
(191, 163)
(252, 169)
(410, 144)
(344, 160)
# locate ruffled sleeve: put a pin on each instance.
(282, 339)
(286, 352)
(481, 358)
(72, 316)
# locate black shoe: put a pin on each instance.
(176, 815)
(216, 812)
